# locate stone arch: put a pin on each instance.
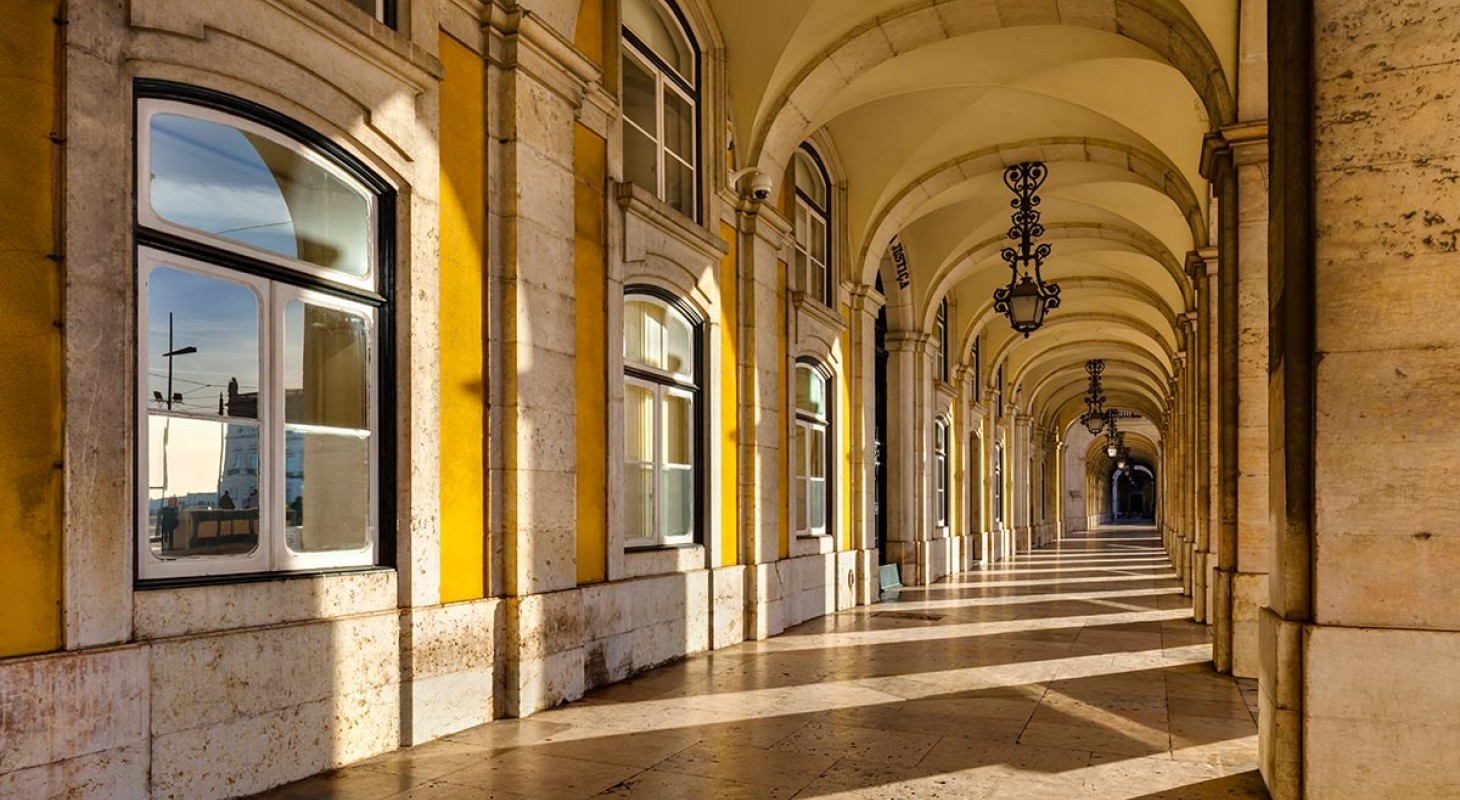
(1150, 169)
(1134, 240)
(1171, 33)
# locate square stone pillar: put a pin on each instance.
(862, 373)
(535, 90)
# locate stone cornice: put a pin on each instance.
(517, 39)
(638, 201)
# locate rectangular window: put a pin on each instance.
(940, 473)
(659, 491)
(381, 10)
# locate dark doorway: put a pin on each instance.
(879, 433)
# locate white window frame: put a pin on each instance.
(821, 291)
(810, 423)
(940, 472)
(152, 107)
(272, 555)
(940, 340)
(663, 82)
(663, 385)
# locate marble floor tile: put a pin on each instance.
(1071, 672)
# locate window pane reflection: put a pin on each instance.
(211, 329)
(678, 505)
(638, 423)
(247, 188)
(679, 125)
(678, 432)
(638, 500)
(639, 96)
(202, 487)
(326, 358)
(326, 491)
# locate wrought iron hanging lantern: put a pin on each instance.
(1114, 439)
(1027, 298)
(1094, 417)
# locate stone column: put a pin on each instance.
(1290, 387)
(762, 332)
(535, 88)
(1197, 268)
(1192, 396)
(867, 302)
(906, 453)
(1360, 646)
(1019, 468)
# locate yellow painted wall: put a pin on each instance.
(729, 402)
(30, 358)
(783, 386)
(590, 33)
(463, 334)
(590, 204)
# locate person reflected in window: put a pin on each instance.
(167, 522)
(252, 501)
(226, 501)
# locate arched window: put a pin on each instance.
(263, 288)
(661, 102)
(940, 342)
(940, 471)
(999, 393)
(661, 420)
(812, 224)
(813, 437)
(977, 371)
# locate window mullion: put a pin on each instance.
(271, 440)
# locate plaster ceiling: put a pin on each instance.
(922, 103)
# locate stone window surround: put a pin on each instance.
(102, 604)
(651, 244)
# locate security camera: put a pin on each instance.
(760, 187)
(760, 183)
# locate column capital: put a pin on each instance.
(908, 342)
(867, 299)
(1231, 141)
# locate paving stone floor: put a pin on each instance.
(1071, 672)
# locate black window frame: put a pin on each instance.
(690, 86)
(828, 288)
(698, 390)
(829, 439)
(382, 300)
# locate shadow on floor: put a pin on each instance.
(1044, 676)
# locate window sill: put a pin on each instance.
(803, 545)
(659, 215)
(181, 607)
(642, 562)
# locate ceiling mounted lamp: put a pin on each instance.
(1027, 298)
(1114, 439)
(1094, 417)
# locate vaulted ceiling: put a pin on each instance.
(925, 102)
